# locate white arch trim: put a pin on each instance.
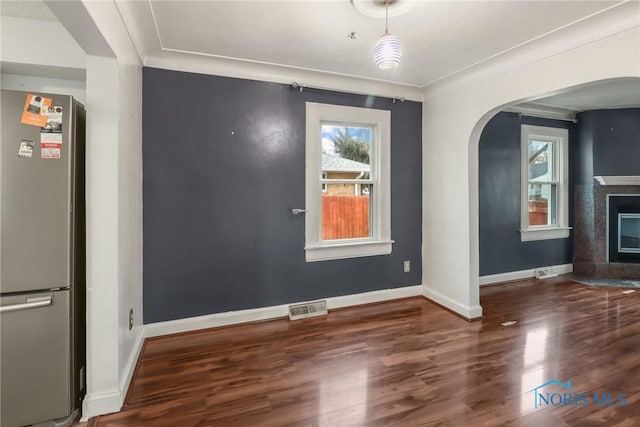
(452, 122)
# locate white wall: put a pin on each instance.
(103, 388)
(28, 41)
(40, 56)
(117, 220)
(129, 220)
(75, 88)
(454, 115)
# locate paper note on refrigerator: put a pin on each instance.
(54, 120)
(50, 145)
(35, 110)
(26, 149)
(51, 134)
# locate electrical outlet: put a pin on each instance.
(130, 318)
(407, 266)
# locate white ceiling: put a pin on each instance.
(618, 93)
(439, 38)
(34, 9)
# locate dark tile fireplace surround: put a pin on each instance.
(590, 232)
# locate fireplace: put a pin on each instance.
(605, 229)
(629, 233)
(623, 226)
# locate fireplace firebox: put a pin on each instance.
(624, 228)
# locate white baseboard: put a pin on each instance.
(469, 312)
(130, 367)
(106, 402)
(522, 274)
(111, 401)
(214, 320)
(265, 313)
(373, 296)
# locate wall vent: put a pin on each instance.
(307, 309)
(546, 273)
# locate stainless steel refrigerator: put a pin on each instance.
(42, 260)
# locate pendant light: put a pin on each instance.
(387, 52)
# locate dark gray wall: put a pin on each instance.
(607, 143)
(614, 138)
(223, 164)
(582, 165)
(499, 201)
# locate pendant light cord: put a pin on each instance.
(386, 16)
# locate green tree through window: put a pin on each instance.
(350, 147)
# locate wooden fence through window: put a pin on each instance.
(538, 210)
(345, 217)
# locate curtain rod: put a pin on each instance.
(543, 113)
(301, 87)
(550, 117)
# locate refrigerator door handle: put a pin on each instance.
(31, 303)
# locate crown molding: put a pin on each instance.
(228, 67)
(617, 19)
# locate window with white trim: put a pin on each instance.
(348, 188)
(544, 183)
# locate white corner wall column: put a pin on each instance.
(114, 231)
(114, 198)
(117, 189)
(129, 218)
(103, 391)
(447, 266)
(454, 115)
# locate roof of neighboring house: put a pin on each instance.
(538, 169)
(338, 164)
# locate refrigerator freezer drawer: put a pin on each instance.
(31, 303)
(35, 357)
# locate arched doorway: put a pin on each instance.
(453, 120)
(600, 121)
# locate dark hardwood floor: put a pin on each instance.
(407, 362)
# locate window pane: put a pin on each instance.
(346, 214)
(542, 204)
(346, 207)
(346, 151)
(541, 161)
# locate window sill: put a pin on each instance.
(532, 234)
(347, 250)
